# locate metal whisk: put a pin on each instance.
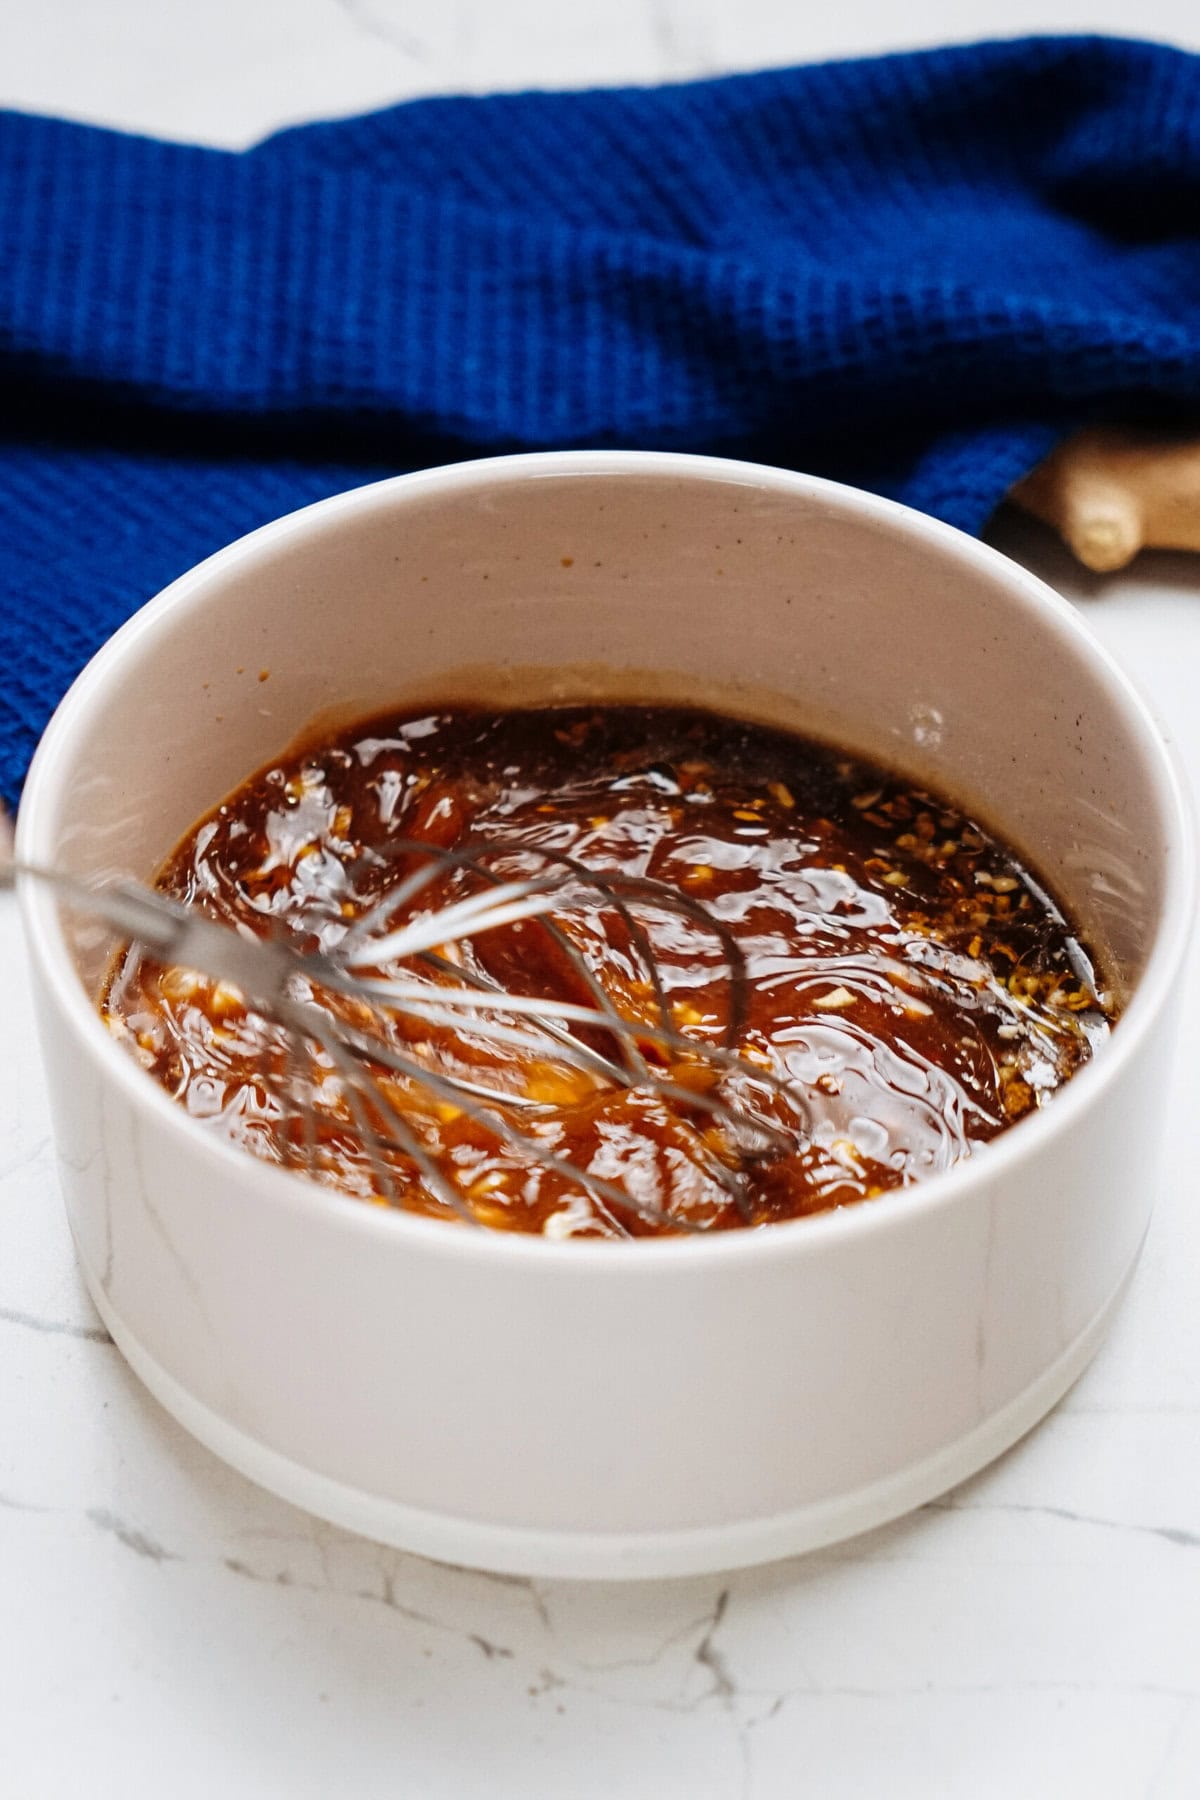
(382, 984)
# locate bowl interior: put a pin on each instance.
(587, 576)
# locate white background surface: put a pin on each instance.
(165, 1629)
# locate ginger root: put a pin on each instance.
(1110, 492)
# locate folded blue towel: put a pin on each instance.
(914, 273)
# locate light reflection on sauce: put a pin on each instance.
(904, 973)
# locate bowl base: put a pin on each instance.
(586, 1556)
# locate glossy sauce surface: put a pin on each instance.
(910, 980)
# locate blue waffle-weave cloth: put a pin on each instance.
(915, 273)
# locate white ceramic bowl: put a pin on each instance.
(614, 1409)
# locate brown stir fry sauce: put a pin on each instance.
(907, 975)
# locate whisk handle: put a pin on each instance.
(171, 931)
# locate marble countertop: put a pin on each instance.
(167, 1628)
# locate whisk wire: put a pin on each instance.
(372, 967)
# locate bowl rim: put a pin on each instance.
(278, 1186)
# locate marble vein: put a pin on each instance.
(1158, 1775)
(25, 1158)
(1171, 1534)
(92, 1334)
(523, 1583)
(385, 1596)
(10, 1503)
(133, 1538)
(706, 1624)
(679, 39)
(925, 1690)
(386, 29)
(709, 1657)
